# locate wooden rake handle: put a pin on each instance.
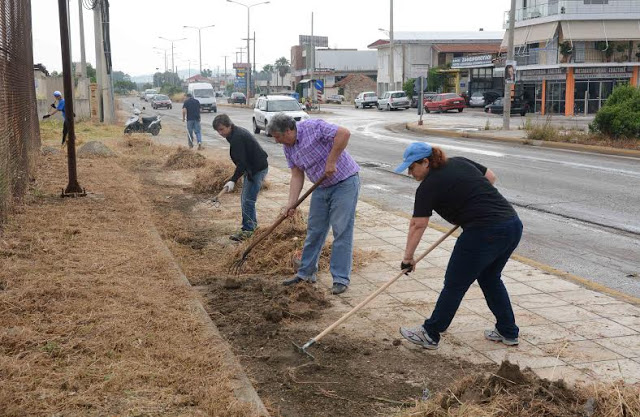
(283, 217)
(381, 289)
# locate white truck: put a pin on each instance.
(203, 92)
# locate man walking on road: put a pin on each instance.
(191, 110)
(317, 148)
(251, 161)
(59, 107)
(462, 192)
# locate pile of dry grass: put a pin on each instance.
(184, 158)
(277, 253)
(511, 392)
(211, 178)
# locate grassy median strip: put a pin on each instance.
(93, 317)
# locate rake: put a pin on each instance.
(303, 348)
(237, 265)
(215, 201)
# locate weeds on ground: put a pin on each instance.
(542, 132)
(51, 132)
(487, 125)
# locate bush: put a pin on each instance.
(620, 116)
(408, 87)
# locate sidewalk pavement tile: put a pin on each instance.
(613, 370)
(406, 284)
(627, 346)
(584, 296)
(435, 284)
(468, 323)
(517, 266)
(451, 347)
(361, 236)
(554, 285)
(420, 307)
(474, 293)
(569, 374)
(525, 317)
(389, 232)
(614, 310)
(426, 296)
(518, 288)
(580, 351)
(563, 314)
(392, 319)
(528, 275)
(525, 355)
(423, 273)
(381, 301)
(477, 341)
(531, 301)
(632, 322)
(599, 328)
(547, 333)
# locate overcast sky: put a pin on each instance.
(137, 24)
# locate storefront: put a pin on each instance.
(477, 73)
(573, 90)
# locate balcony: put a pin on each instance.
(579, 9)
(582, 53)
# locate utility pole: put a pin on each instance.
(173, 62)
(506, 116)
(97, 31)
(392, 81)
(313, 63)
(225, 68)
(101, 28)
(199, 29)
(83, 59)
(73, 188)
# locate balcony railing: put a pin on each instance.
(582, 53)
(577, 7)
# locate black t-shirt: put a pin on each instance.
(462, 195)
(193, 109)
(246, 153)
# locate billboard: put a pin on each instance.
(318, 41)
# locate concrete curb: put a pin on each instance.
(546, 144)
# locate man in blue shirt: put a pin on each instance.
(59, 107)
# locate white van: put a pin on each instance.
(203, 92)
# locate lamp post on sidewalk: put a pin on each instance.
(248, 7)
(199, 29)
(165, 56)
(173, 63)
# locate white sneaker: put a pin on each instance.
(418, 336)
(495, 336)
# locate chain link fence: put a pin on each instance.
(19, 127)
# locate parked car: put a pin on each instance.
(366, 99)
(394, 100)
(517, 107)
(148, 93)
(444, 102)
(268, 106)
(237, 98)
(161, 101)
(336, 98)
(425, 95)
(482, 98)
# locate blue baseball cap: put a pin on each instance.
(57, 94)
(414, 152)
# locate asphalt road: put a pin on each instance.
(581, 211)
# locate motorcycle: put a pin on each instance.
(140, 124)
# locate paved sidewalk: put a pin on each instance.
(567, 331)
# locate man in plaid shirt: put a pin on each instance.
(315, 148)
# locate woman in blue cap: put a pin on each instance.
(59, 107)
(462, 192)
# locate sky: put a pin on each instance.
(136, 26)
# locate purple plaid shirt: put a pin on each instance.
(311, 150)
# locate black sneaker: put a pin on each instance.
(296, 280)
(338, 288)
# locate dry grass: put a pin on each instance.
(547, 132)
(510, 392)
(211, 178)
(184, 158)
(93, 319)
(51, 132)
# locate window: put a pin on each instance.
(282, 105)
(596, 1)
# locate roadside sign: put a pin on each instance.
(319, 84)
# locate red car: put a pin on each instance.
(444, 102)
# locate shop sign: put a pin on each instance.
(540, 74)
(472, 61)
(591, 73)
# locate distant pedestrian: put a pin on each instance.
(462, 192)
(251, 162)
(191, 111)
(59, 106)
(316, 148)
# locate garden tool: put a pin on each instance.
(215, 201)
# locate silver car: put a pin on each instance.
(394, 100)
(366, 99)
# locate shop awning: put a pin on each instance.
(304, 81)
(599, 30)
(532, 34)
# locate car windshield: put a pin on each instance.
(451, 96)
(204, 93)
(498, 102)
(477, 94)
(396, 95)
(161, 97)
(369, 95)
(283, 105)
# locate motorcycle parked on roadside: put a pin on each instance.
(140, 124)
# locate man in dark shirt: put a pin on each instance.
(251, 161)
(462, 192)
(191, 110)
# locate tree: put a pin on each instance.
(619, 117)
(162, 78)
(206, 73)
(435, 80)
(147, 86)
(268, 69)
(91, 73)
(282, 66)
(123, 86)
(408, 87)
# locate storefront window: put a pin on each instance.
(591, 95)
(555, 100)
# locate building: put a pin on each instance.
(415, 53)
(570, 54)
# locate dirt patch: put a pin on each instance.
(95, 149)
(350, 376)
(184, 158)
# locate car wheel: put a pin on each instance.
(486, 110)
(155, 131)
(355, 105)
(170, 107)
(256, 129)
(388, 107)
(426, 110)
(215, 110)
(440, 109)
(460, 110)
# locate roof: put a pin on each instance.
(348, 79)
(442, 37)
(468, 47)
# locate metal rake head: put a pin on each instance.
(214, 202)
(236, 266)
(303, 348)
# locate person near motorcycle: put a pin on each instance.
(59, 107)
(251, 161)
(191, 111)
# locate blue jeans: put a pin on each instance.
(193, 126)
(480, 253)
(250, 189)
(333, 206)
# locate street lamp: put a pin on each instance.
(165, 56)
(248, 6)
(391, 64)
(199, 29)
(173, 68)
